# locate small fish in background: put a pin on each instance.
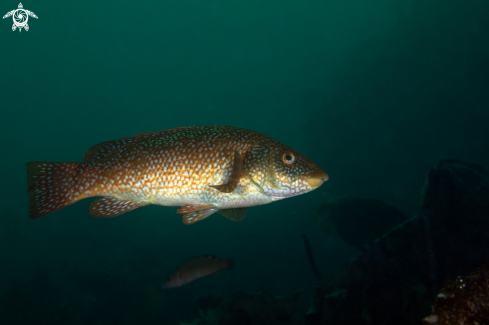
(202, 169)
(196, 268)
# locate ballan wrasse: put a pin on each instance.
(202, 170)
(196, 268)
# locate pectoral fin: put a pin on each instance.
(236, 214)
(192, 217)
(235, 175)
(108, 207)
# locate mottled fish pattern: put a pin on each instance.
(202, 170)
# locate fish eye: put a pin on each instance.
(288, 158)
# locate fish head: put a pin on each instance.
(282, 172)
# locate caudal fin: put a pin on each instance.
(50, 187)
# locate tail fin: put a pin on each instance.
(50, 187)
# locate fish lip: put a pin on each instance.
(315, 182)
(316, 179)
(319, 174)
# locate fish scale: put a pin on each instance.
(209, 169)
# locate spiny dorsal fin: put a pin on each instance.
(108, 207)
(236, 214)
(235, 175)
(101, 150)
(195, 216)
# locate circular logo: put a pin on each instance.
(20, 17)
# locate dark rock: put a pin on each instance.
(463, 301)
(404, 270)
(246, 309)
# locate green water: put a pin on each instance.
(374, 92)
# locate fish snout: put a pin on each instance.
(316, 179)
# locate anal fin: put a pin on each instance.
(193, 217)
(193, 208)
(236, 214)
(108, 207)
(235, 175)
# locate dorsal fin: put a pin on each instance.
(101, 150)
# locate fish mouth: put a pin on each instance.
(317, 179)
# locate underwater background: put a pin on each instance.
(374, 92)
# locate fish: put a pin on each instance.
(196, 268)
(200, 169)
